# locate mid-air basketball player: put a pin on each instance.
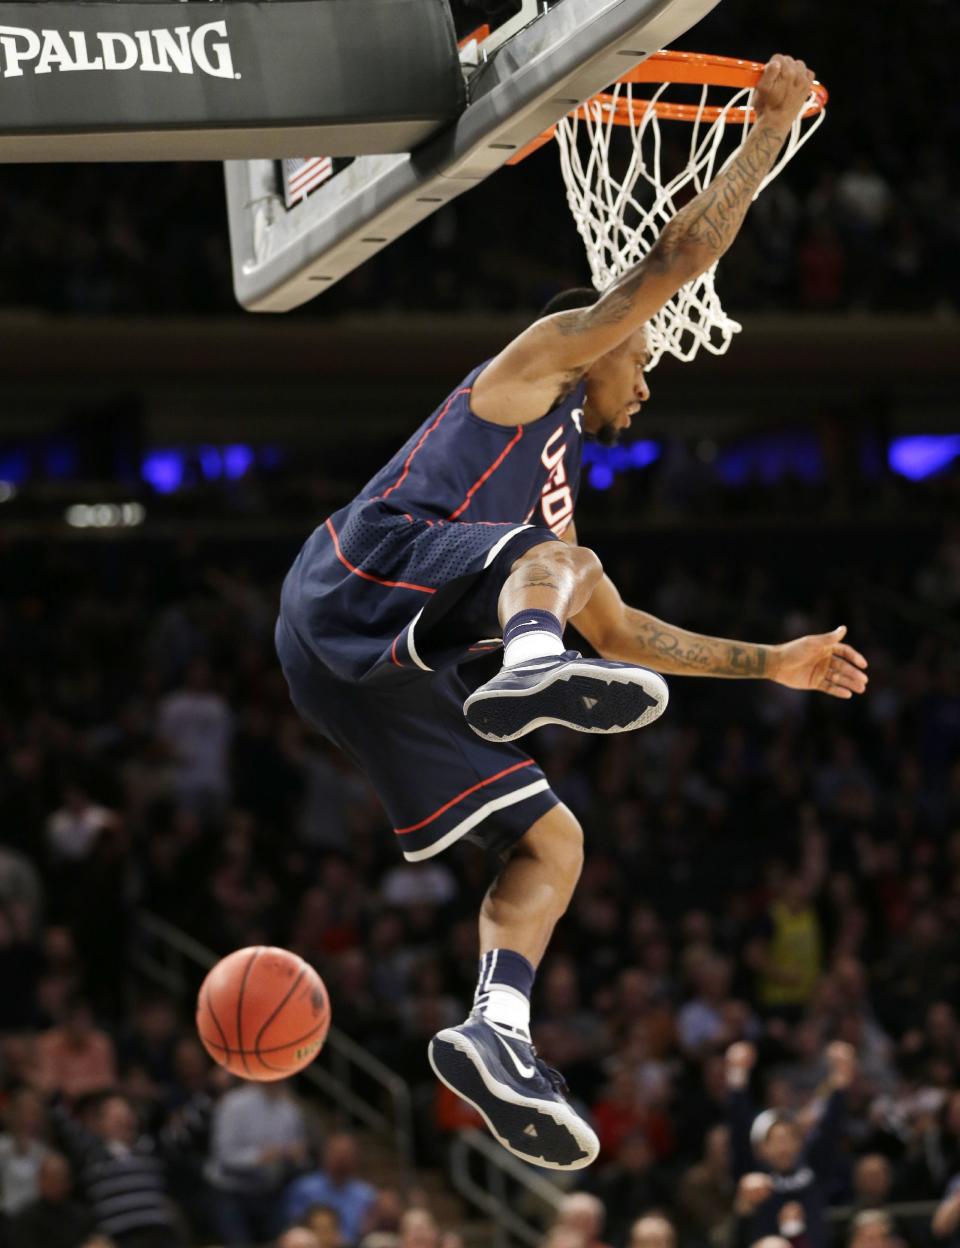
(467, 536)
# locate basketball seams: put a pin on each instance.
(290, 991)
(209, 1002)
(274, 1048)
(243, 987)
(245, 990)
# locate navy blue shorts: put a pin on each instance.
(380, 617)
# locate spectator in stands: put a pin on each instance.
(942, 1141)
(325, 1224)
(872, 1229)
(629, 1186)
(22, 1151)
(20, 964)
(196, 723)
(20, 888)
(583, 1213)
(652, 1231)
(800, 1169)
(257, 1140)
(946, 1219)
(872, 1181)
(298, 1237)
(77, 1058)
(52, 1219)
(383, 1220)
(706, 1190)
(700, 1023)
(625, 1109)
(74, 828)
(419, 1229)
(62, 974)
(149, 1044)
(563, 1237)
(336, 1185)
(787, 951)
(123, 1172)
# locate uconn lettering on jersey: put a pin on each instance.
(556, 497)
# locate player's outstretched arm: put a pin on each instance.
(823, 662)
(519, 385)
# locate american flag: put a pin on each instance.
(302, 174)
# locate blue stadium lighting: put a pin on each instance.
(237, 461)
(14, 466)
(60, 461)
(600, 477)
(211, 465)
(922, 455)
(605, 463)
(771, 458)
(170, 468)
(163, 470)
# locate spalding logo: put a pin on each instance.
(306, 1051)
(181, 50)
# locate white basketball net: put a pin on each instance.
(619, 216)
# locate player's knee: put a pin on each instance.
(589, 567)
(579, 562)
(557, 840)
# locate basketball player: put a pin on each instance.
(467, 537)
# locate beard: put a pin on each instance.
(607, 435)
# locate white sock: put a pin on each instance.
(531, 634)
(531, 646)
(509, 1008)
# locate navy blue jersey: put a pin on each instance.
(392, 597)
(459, 467)
(460, 492)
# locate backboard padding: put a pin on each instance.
(284, 258)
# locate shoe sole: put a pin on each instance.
(580, 695)
(563, 1141)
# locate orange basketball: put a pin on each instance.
(263, 1013)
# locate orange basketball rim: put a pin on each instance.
(689, 68)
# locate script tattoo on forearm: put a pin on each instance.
(726, 200)
(686, 651)
(697, 236)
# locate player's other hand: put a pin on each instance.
(822, 662)
(783, 89)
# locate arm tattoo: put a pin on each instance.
(673, 650)
(696, 237)
(717, 213)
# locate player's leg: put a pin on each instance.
(534, 887)
(553, 577)
(541, 682)
(489, 1059)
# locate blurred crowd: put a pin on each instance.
(867, 218)
(754, 993)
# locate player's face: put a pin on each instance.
(616, 389)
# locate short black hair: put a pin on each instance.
(567, 300)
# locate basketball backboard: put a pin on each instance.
(519, 82)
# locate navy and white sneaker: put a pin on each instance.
(590, 695)
(518, 1095)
